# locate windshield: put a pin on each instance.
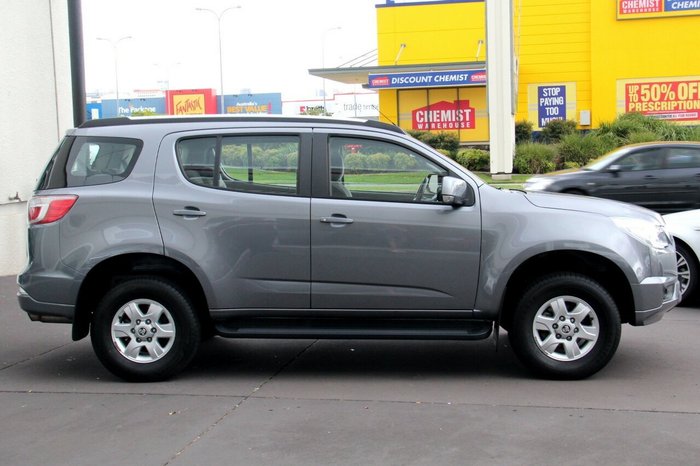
(604, 160)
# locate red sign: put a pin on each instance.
(631, 7)
(379, 82)
(190, 102)
(669, 100)
(444, 116)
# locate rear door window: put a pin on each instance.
(264, 164)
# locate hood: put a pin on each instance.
(594, 205)
(569, 172)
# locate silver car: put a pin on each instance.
(152, 234)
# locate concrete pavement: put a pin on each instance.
(347, 402)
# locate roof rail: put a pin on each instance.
(125, 121)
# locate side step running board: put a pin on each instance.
(335, 328)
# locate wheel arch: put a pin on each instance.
(117, 269)
(600, 269)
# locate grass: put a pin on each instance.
(408, 181)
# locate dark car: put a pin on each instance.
(663, 176)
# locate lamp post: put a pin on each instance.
(114, 44)
(219, 16)
(323, 60)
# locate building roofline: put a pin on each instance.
(358, 75)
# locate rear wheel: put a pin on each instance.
(145, 330)
(566, 326)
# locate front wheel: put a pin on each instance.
(566, 326)
(145, 330)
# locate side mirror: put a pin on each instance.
(455, 191)
(615, 169)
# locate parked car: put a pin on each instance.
(685, 228)
(663, 176)
(149, 234)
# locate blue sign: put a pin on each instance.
(127, 107)
(681, 5)
(94, 111)
(270, 103)
(551, 104)
(427, 79)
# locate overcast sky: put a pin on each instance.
(268, 45)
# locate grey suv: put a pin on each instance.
(152, 234)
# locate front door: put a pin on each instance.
(380, 237)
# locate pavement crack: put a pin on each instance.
(240, 402)
(16, 363)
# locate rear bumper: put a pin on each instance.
(653, 297)
(45, 312)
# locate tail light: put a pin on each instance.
(48, 209)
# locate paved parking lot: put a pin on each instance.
(347, 402)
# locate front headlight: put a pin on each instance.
(538, 184)
(653, 234)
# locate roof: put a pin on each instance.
(125, 121)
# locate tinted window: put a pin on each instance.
(651, 159)
(376, 170)
(260, 164)
(683, 157)
(99, 160)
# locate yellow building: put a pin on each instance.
(582, 60)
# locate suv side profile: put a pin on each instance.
(153, 234)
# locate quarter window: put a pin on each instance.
(98, 160)
(380, 171)
(260, 164)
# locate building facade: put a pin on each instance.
(37, 110)
(581, 60)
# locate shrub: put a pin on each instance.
(555, 130)
(579, 149)
(523, 132)
(378, 160)
(448, 142)
(404, 161)
(641, 136)
(355, 162)
(534, 158)
(474, 159)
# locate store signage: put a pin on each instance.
(675, 99)
(190, 102)
(551, 101)
(635, 9)
(427, 79)
(253, 103)
(444, 116)
(551, 104)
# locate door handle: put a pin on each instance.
(336, 219)
(189, 212)
(649, 177)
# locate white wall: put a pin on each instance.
(35, 109)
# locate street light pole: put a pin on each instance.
(116, 64)
(323, 61)
(221, 66)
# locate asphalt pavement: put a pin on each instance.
(316, 402)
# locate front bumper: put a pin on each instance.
(653, 297)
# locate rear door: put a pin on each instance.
(682, 176)
(234, 205)
(380, 238)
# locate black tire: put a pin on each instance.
(547, 345)
(687, 271)
(166, 343)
